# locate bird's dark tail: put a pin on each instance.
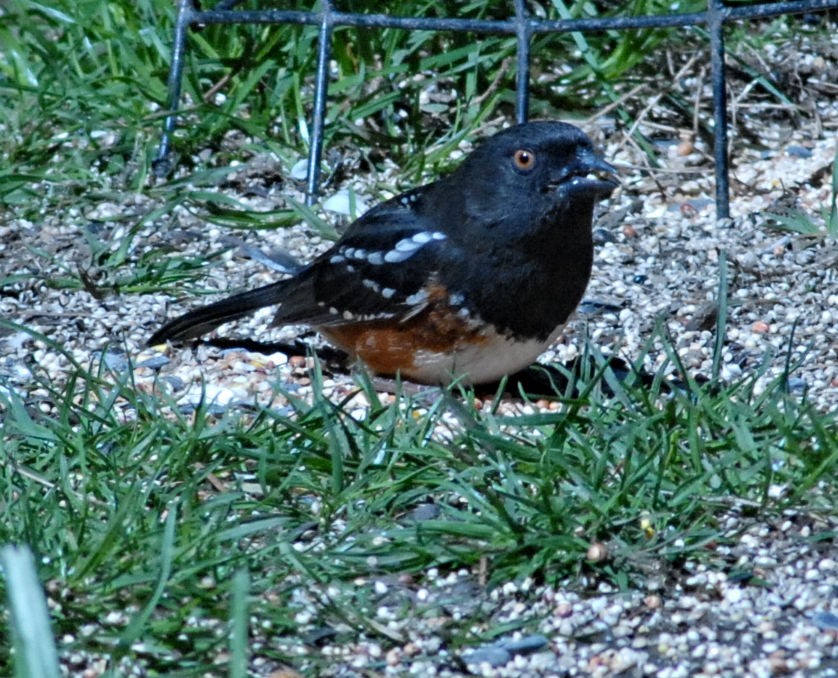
(200, 321)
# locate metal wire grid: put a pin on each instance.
(521, 24)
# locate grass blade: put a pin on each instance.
(33, 640)
(137, 625)
(721, 315)
(239, 625)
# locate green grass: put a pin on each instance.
(803, 223)
(188, 522)
(30, 622)
(97, 75)
(170, 539)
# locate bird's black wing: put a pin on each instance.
(381, 268)
(384, 267)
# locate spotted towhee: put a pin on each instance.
(469, 277)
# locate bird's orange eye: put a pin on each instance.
(524, 159)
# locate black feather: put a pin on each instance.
(202, 320)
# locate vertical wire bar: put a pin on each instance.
(522, 74)
(162, 164)
(321, 87)
(716, 13)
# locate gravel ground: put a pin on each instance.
(780, 617)
(657, 261)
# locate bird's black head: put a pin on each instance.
(534, 176)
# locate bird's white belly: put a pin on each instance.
(496, 356)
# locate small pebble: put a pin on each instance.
(492, 655)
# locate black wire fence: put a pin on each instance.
(521, 24)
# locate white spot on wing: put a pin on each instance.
(396, 257)
(402, 250)
(427, 236)
(407, 245)
(408, 199)
(419, 297)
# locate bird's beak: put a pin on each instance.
(597, 165)
(591, 174)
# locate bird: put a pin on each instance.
(466, 279)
